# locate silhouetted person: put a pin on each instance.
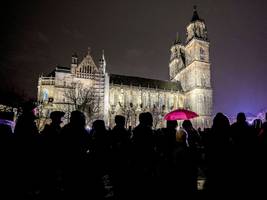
(25, 125)
(51, 156)
(194, 142)
(241, 131)
(194, 139)
(101, 157)
(219, 157)
(265, 123)
(182, 168)
(121, 154)
(144, 155)
(165, 142)
(54, 128)
(244, 151)
(262, 154)
(27, 152)
(75, 142)
(263, 133)
(6, 154)
(166, 139)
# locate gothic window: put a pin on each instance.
(120, 96)
(127, 97)
(171, 101)
(200, 103)
(111, 97)
(115, 97)
(203, 82)
(202, 53)
(203, 122)
(145, 100)
(161, 100)
(200, 99)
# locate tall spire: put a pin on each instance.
(195, 16)
(89, 50)
(103, 54)
(196, 28)
(177, 39)
(102, 61)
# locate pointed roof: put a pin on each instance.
(177, 39)
(102, 56)
(195, 16)
(102, 61)
(88, 60)
(75, 55)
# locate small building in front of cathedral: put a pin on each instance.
(89, 87)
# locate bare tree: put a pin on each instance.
(129, 111)
(158, 113)
(84, 99)
(43, 112)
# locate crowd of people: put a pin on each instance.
(117, 163)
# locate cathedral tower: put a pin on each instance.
(177, 59)
(195, 76)
(74, 63)
(102, 63)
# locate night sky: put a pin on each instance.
(136, 36)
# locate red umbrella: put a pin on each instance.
(180, 114)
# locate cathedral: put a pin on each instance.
(89, 87)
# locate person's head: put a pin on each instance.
(120, 120)
(187, 124)
(146, 119)
(241, 117)
(172, 124)
(142, 118)
(99, 126)
(149, 119)
(56, 117)
(220, 121)
(77, 118)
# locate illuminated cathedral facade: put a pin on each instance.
(89, 86)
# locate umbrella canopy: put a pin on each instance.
(180, 114)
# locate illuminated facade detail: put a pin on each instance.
(188, 87)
